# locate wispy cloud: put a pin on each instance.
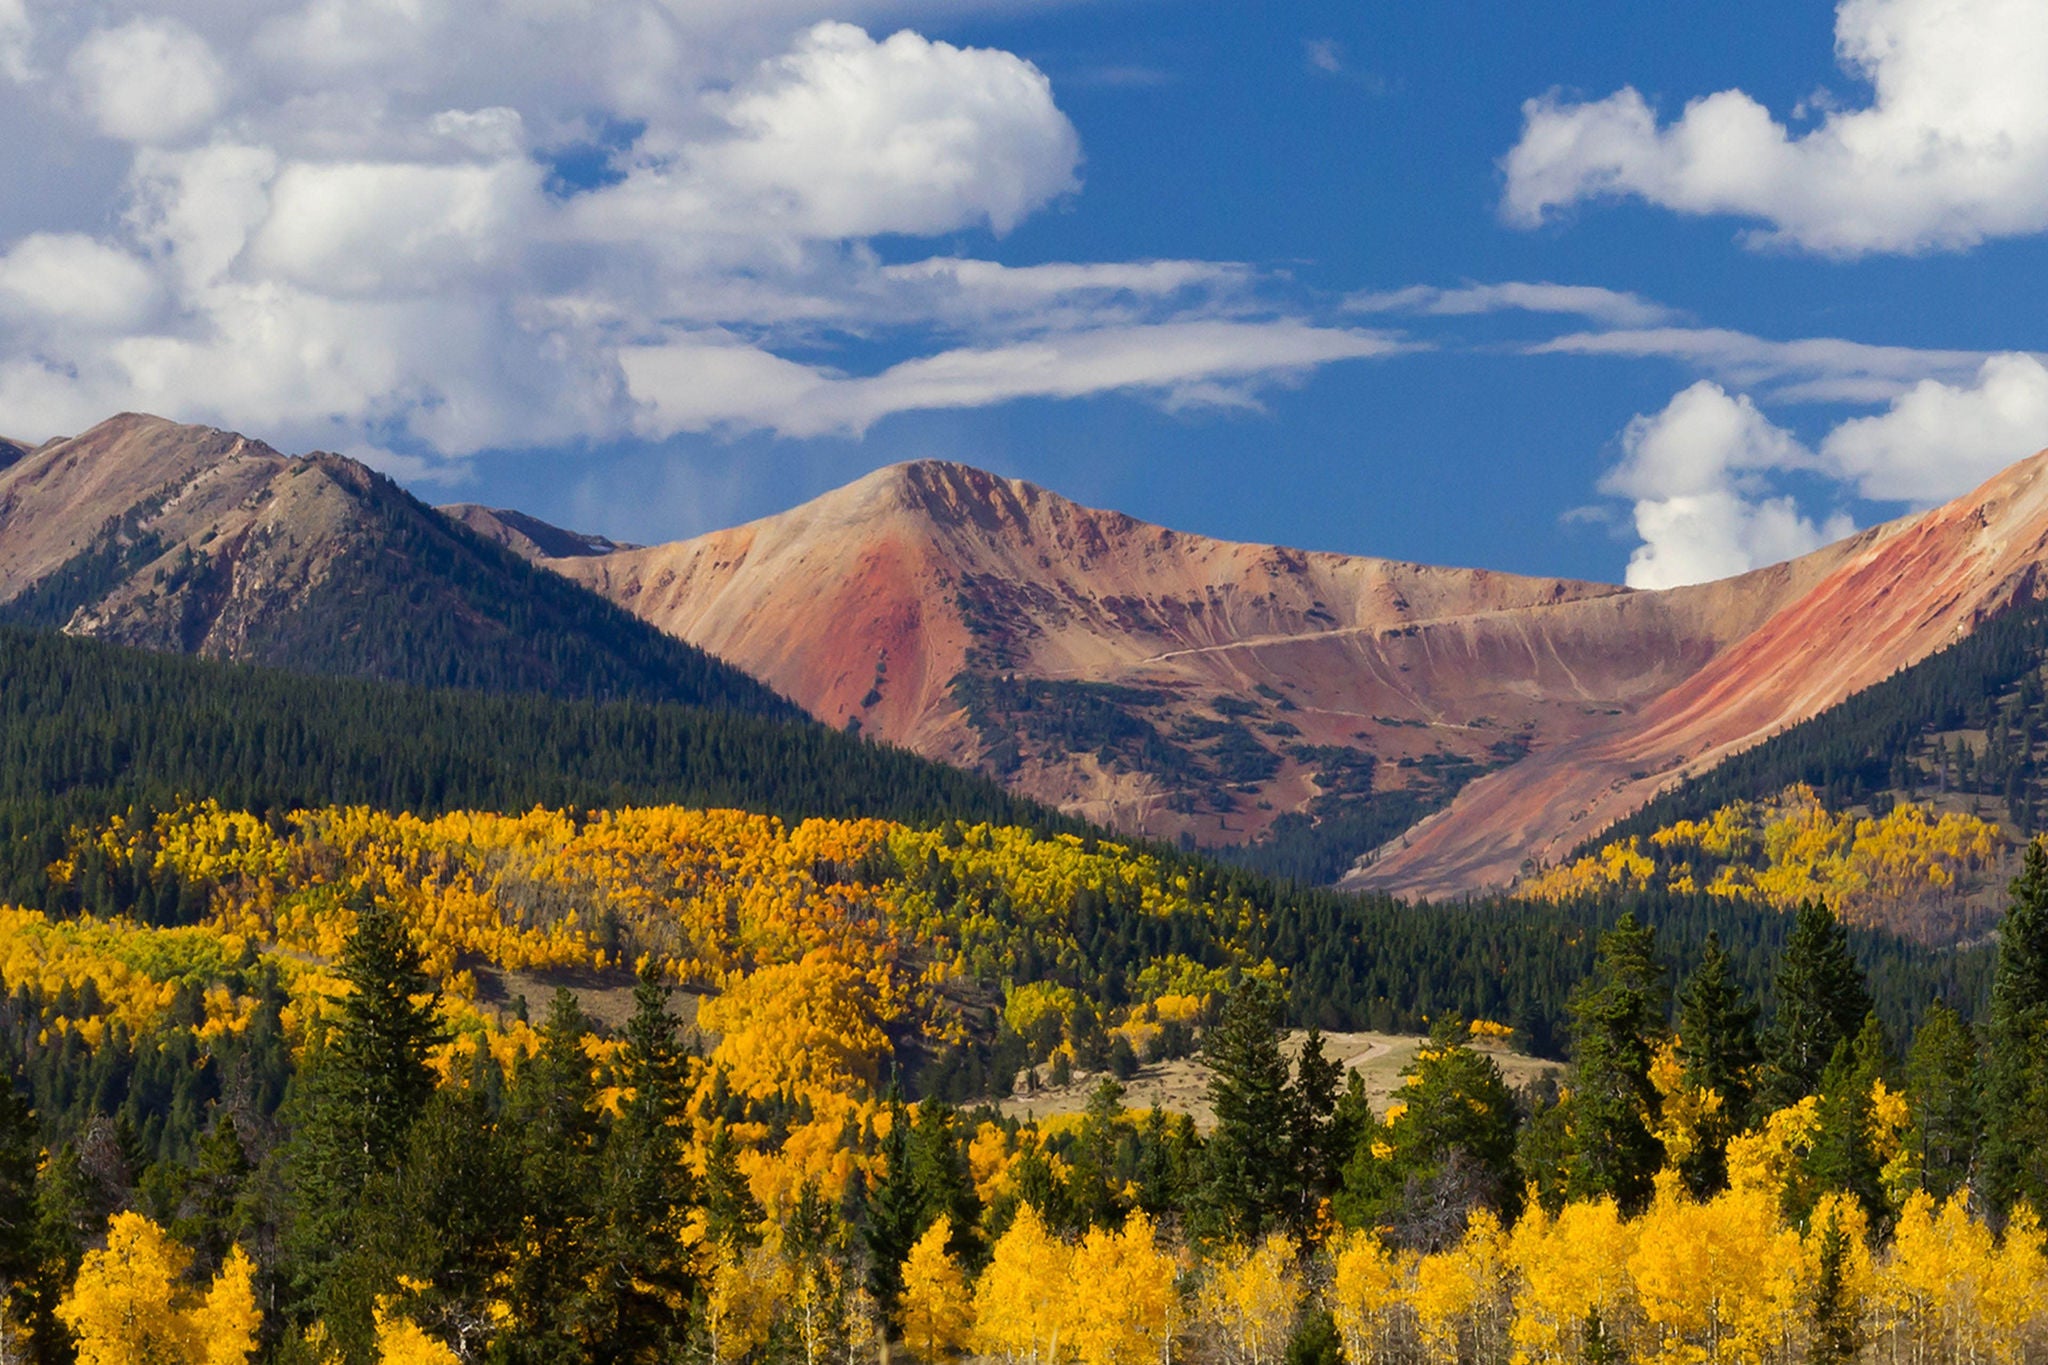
(1804, 370)
(1588, 301)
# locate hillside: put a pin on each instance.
(1318, 707)
(188, 539)
(90, 732)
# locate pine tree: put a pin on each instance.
(1841, 1159)
(20, 1154)
(551, 1115)
(1717, 1046)
(1617, 1019)
(1317, 1162)
(732, 1215)
(890, 1208)
(646, 1190)
(939, 1174)
(1250, 1179)
(2015, 1074)
(1822, 1000)
(1834, 1339)
(361, 1094)
(1941, 1087)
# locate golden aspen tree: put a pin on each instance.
(128, 1307)
(401, 1342)
(1128, 1303)
(1715, 1281)
(1368, 1289)
(936, 1308)
(741, 1286)
(1023, 1303)
(229, 1317)
(1249, 1300)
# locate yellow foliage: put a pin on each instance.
(1368, 1290)
(1128, 1303)
(1248, 1300)
(129, 1305)
(1886, 870)
(936, 1306)
(1023, 1305)
(401, 1342)
(1572, 1267)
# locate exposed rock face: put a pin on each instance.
(149, 533)
(875, 603)
(529, 537)
(1889, 598)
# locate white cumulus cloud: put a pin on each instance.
(1701, 507)
(1951, 149)
(432, 227)
(1938, 439)
(149, 80)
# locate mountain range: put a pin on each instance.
(1425, 730)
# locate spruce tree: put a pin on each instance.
(2015, 1159)
(20, 1154)
(1717, 1045)
(1250, 1182)
(646, 1191)
(1618, 1019)
(551, 1116)
(939, 1174)
(1841, 1159)
(731, 1213)
(361, 1092)
(1311, 1135)
(890, 1209)
(1941, 1087)
(1822, 1001)
(1834, 1338)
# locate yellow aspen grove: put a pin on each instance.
(1461, 1296)
(1718, 1281)
(1574, 1272)
(1128, 1307)
(128, 1307)
(1368, 1288)
(1249, 1300)
(1927, 1289)
(2015, 1302)
(937, 1308)
(1023, 1304)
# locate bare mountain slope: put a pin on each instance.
(146, 532)
(1898, 594)
(529, 537)
(1172, 683)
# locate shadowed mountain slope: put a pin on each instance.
(149, 533)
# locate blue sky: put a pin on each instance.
(1597, 289)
